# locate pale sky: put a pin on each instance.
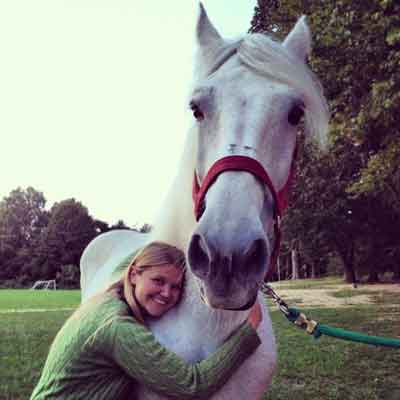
(93, 97)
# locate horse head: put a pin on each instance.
(248, 100)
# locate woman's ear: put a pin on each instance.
(132, 276)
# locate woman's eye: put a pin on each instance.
(295, 115)
(158, 281)
(197, 113)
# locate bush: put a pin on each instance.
(68, 277)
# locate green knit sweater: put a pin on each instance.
(102, 352)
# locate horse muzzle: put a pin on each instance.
(230, 269)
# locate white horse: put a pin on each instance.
(248, 98)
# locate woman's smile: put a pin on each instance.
(157, 289)
(160, 300)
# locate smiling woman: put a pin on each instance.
(152, 282)
(157, 289)
(105, 350)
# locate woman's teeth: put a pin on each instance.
(160, 301)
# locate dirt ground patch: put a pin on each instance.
(329, 297)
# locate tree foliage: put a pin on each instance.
(346, 202)
(22, 220)
(37, 244)
(69, 231)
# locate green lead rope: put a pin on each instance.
(317, 330)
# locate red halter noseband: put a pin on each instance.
(244, 163)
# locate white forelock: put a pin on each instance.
(269, 58)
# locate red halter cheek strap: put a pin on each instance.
(244, 163)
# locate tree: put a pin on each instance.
(101, 226)
(22, 220)
(69, 231)
(68, 277)
(119, 225)
(321, 216)
(145, 228)
(356, 53)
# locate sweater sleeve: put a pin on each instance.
(135, 349)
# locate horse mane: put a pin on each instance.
(175, 220)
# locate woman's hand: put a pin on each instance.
(255, 316)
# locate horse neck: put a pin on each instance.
(175, 221)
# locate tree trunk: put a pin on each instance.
(396, 274)
(288, 268)
(313, 274)
(373, 277)
(278, 264)
(295, 266)
(348, 264)
(350, 274)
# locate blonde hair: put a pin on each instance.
(152, 255)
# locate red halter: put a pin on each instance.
(244, 163)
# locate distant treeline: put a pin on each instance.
(36, 244)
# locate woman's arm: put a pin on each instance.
(135, 349)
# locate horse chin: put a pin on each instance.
(229, 304)
(248, 305)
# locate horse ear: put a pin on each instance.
(298, 41)
(207, 35)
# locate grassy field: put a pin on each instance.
(25, 336)
(325, 283)
(308, 368)
(38, 299)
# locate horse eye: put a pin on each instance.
(295, 115)
(197, 113)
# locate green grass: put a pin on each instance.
(24, 343)
(17, 299)
(25, 337)
(323, 369)
(345, 293)
(323, 283)
(329, 368)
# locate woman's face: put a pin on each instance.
(157, 289)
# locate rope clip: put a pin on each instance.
(308, 324)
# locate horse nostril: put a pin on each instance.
(198, 256)
(256, 257)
